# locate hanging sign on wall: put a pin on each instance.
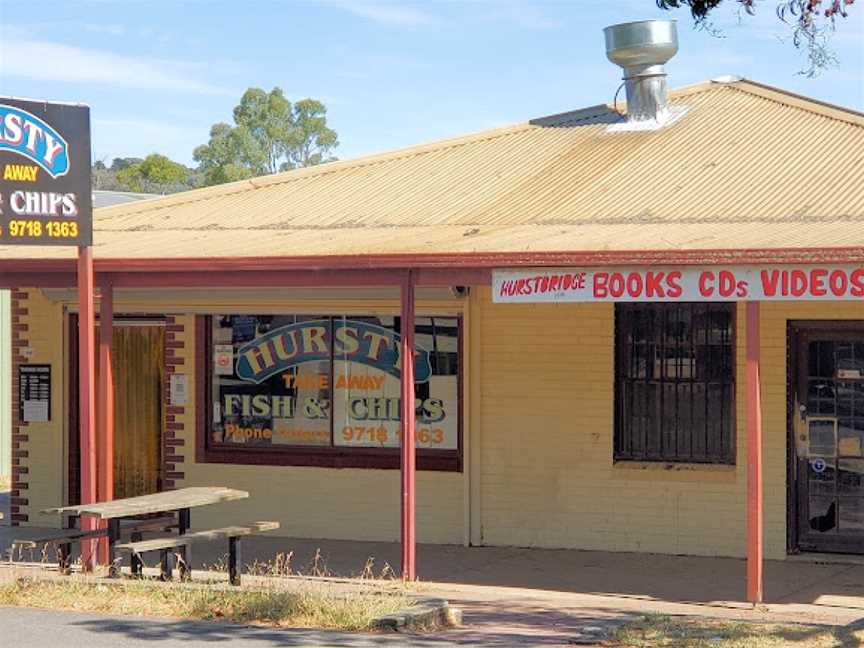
(679, 284)
(45, 194)
(34, 392)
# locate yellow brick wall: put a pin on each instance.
(548, 479)
(547, 475)
(46, 458)
(311, 502)
(538, 442)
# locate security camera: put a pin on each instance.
(460, 291)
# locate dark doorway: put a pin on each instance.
(826, 432)
(138, 351)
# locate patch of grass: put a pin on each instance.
(309, 607)
(660, 631)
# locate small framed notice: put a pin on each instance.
(179, 389)
(223, 359)
(34, 393)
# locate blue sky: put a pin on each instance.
(157, 74)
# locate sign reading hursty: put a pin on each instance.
(44, 173)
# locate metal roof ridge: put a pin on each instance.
(795, 100)
(789, 99)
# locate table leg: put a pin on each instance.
(136, 564)
(183, 520)
(234, 560)
(113, 536)
(166, 564)
(63, 551)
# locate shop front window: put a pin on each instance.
(325, 390)
(675, 382)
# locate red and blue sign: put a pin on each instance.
(34, 139)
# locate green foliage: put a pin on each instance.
(269, 135)
(154, 174)
(811, 22)
(118, 164)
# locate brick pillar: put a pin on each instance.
(20, 438)
(172, 460)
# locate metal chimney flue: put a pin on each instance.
(641, 48)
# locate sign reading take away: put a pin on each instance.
(679, 284)
(44, 173)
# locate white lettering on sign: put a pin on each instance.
(678, 284)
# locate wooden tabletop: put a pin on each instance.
(154, 503)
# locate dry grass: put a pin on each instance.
(299, 607)
(658, 631)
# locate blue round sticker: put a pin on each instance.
(819, 465)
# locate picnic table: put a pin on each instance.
(179, 502)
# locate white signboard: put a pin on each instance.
(679, 284)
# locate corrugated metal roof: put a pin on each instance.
(748, 166)
(106, 198)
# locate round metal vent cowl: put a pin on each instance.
(642, 43)
(641, 48)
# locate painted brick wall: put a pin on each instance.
(547, 476)
(177, 419)
(39, 453)
(20, 453)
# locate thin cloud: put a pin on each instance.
(380, 12)
(48, 61)
(100, 28)
(523, 15)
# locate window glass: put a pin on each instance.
(294, 381)
(675, 382)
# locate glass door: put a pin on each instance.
(828, 428)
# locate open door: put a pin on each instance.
(138, 350)
(827, 429)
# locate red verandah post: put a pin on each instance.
(754, 458)
(105, 407)
(86, 392)
(409, 567)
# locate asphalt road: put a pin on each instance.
(29, 628)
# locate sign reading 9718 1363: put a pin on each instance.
(45, 194)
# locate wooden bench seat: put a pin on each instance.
(184, 542)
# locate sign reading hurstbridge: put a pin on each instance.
(681, 284)
(44, 173)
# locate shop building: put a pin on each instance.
(257, 334)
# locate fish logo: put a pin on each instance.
(25, 134)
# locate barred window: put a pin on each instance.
(675, 382)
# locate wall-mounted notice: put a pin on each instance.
(179, 389)
(34, 393)
(223, 359)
